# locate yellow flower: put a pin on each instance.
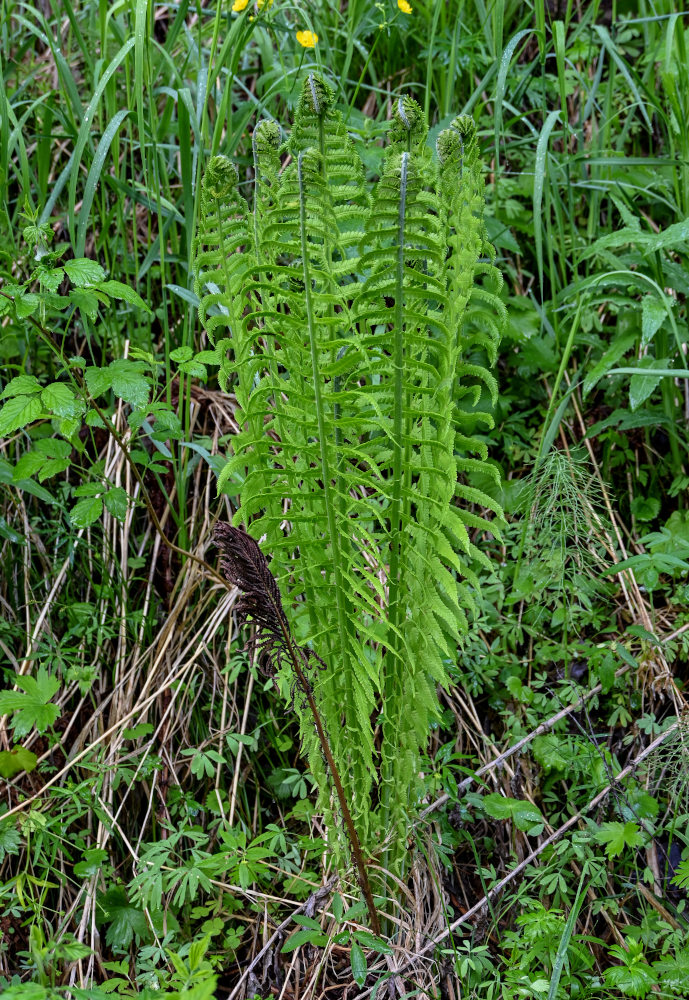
(264, 3)
(404, 6)
(239, 5)
(308, 39)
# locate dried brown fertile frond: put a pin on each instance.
(246, 568)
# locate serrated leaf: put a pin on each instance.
(16, 760)
(31, 706)
(653, 312)
(118, 290)
(98, 380)
(128, 382)
(125, 920)
(26, 304)
(10, 840)
(641, 386)
(86, 301)
(116, 502)
(617, 836)
(49, 277)
(21, 385)
(83, 272)
(181, 354)
(86, 511)
(52, 467)
(28, 465)
(59, 399)
(18, 412)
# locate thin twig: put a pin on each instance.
(534, 854)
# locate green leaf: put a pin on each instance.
(49, 277)
(31, 706)
(116, 502)
(26, 304)
(181, 354)
(21, 385)
(52, 467)
(59, 399)
(83, 272)
(19, 412)
(91, 863)
(28, 465)
(128, 382)
(125, 921)
(617, 836)
(16, 760)
(98, 380)
(523, 814)
(307, 936)
(10, 840)
(641, 386)
(86, 511)
(118, 290)
(359, 967)
(653, 312)
(86, 301)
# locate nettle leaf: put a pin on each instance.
(18, 412)
(116, 502)
(16, 760)
(49, 278)
(31, 706)
(28, 465)
(83, 272)
(129, 383)
(59, 399)
(26, 304)
(21, 385)
(616, 836)
(86, 511)
(98, 380)
(87, 301)
(118, 290)
(181, 354)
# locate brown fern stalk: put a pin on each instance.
(246, 568)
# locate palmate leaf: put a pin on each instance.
(349, 354)
(31, 706)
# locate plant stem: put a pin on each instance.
(362, 875)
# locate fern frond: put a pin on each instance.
(356, 327)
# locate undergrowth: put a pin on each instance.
(159, 830)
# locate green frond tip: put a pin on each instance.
(316, 97)
(220, 177)
(409, 126)
(459, 142)
(266, 137)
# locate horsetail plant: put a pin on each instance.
(352, 330)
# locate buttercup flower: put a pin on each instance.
(307, 39)
(404, 6)
(239, 5)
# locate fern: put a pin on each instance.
(353, 334)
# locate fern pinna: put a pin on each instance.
(344, 325)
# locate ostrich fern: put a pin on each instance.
(344, 324)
